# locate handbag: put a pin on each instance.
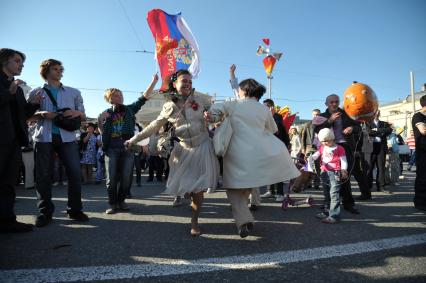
(222, 136)
(67, 123)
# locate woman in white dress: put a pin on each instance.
(255, 156)
(193, 164)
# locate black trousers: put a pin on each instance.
(360, 172)
(9, 162)
(156, 164)
(420, 183)
(378, 160)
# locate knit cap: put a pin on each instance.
(325, 135)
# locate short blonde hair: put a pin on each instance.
(108, 93)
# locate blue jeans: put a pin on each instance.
(100, 167)
(68, 153)
(412, 158)
(118, 164)
(331, 189)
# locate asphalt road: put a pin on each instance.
(151, 243)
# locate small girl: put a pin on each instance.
(333, 171)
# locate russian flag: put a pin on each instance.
(176, 47)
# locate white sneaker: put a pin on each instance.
(402, 177)
(55, 184)
(396, 184)
(268, 194)
(279, 198)
(210, 191)
(64, 183)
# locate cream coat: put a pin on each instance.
(255, 156)
(193, 164)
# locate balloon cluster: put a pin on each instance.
(270, 58)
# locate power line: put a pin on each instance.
(131, 24)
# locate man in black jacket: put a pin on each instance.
(346, 132)
(282, 134)
(379, 131)
(14, 110)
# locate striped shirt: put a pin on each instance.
(411, 142)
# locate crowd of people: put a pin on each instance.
(41, 131)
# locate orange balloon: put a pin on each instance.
(360, 102)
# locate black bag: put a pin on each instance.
(61, 121)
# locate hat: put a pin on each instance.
(399, 131)
(325, 135)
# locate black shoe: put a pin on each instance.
(15, 227)
(363, 198)
(352, 210)
(253, 207)
(243, 231)
(43, 220)
(78, 216)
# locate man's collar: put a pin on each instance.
(49, 86)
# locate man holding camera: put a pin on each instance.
(51, 137)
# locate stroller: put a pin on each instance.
(297, 185)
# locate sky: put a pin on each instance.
(327, 44)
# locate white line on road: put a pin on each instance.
(176, 267)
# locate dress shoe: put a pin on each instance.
(352, 210)
(243, 231)
(78, 216)
(43, 220)
(363, 198)
(15, 227)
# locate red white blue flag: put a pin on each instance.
(175, 45)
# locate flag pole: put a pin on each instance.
(270, 86)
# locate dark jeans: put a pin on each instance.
(378, 159)
(9, 162)
(69, 155)
(118, 164)
(412, 158)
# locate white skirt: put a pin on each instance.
(192, 170)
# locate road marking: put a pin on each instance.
(176, 267)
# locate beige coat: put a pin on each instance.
(255, 156)
(193, 164)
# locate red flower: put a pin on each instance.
(194, 105)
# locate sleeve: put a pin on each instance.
(316, 155)
(343, 160)
(155, 125)
(136, 106)
(79, 105)
(218, 110)
(234, 86)
(270, 123)
(5, 95)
